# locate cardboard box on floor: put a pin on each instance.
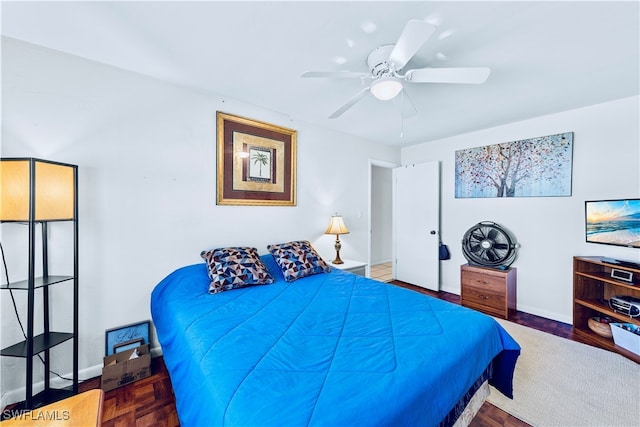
(628, 338)
(119, 369)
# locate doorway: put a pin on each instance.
(380, 247)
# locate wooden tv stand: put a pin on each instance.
(592, 288)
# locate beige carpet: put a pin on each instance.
(559, 382)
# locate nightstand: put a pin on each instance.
(352, 266)
(488, 290)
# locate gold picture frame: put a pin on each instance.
(256, 162)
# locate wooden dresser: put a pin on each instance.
(488, 290)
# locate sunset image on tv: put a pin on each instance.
(614, 222)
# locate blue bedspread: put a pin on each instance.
(332, 349)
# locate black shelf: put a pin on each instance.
(36, 207)
(41, 343)
(45, 397)
(40, 282)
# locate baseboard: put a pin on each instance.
(546, 314)
(17, 395)
(523, 308)
(455, 291)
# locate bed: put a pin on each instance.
(330, 348)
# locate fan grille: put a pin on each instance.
(490, 245)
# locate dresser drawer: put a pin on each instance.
(484, 298)
(483, 282)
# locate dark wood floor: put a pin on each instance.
(144, 403)
(150, 402)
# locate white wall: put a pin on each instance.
(147, 174)
(606, 165)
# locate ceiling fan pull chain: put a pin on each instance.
(402, 115)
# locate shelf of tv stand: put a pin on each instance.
(607, 311)
(606, 278)
(606, 343)
(41, 343)
(40, 282)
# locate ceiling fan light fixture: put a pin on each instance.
(386, 88)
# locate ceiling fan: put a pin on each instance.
(386, 63)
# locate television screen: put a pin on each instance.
(613, 222)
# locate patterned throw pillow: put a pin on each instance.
(235, 267)
(297, 259)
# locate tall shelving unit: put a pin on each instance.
(592, 288)
(39, 192)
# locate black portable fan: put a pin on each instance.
(489, 245)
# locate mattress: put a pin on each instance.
(331, 349)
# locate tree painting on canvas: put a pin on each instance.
(534, 167)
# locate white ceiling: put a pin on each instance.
(545, 57)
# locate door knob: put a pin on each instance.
(432, 232)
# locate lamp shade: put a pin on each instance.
(336, 226)
(386, 88)
(51, 186)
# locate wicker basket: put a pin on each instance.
(601, 326)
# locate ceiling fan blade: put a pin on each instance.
(334, 74)
(473, 75)
(350, 103)
(414, 35)
(404, 104)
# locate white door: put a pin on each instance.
(416, 219)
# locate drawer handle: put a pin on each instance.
(482, 282)
(483, 296)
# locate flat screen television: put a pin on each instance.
(613, 222)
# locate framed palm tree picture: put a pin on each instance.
(256, 162)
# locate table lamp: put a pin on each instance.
(337, 227)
